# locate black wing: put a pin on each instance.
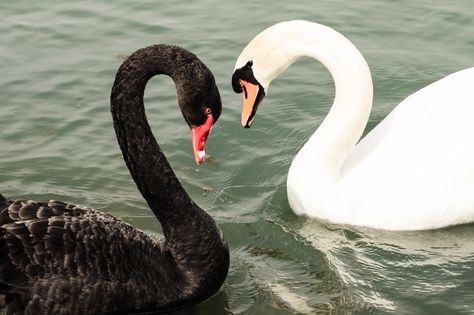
(62, 253)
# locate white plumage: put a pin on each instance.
(413, 171)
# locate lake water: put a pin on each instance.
(58, 60)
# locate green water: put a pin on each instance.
(58, 60)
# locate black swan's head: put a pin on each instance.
(199, 100)
(198, 96)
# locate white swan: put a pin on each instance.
(413, 171)
(62, 258)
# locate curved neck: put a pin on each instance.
(328, 147)
(193, 243)
(343, 126)
(147, 164)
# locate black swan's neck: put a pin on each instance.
(148, 166)
(191, 235)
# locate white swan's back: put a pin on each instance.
(415, 170)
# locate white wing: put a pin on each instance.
(418, 163)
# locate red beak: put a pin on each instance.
(199, 136)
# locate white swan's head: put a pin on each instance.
(262, 60)
(277, 47)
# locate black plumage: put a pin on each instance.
(61, 258)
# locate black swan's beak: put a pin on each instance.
(199, 136)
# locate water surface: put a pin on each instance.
(58, 60)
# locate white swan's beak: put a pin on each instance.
(249, 102)
(199, 137)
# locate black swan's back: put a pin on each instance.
(60, 258)
(65, 253)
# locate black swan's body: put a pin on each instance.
(59, 258)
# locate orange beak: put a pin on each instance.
(249, 101)
(199, 136)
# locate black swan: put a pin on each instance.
(60, 258)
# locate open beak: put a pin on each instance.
(250, 101)
(199, 136)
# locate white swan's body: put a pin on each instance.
(415, 170)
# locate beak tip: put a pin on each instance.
(199, 157)
(246, 123)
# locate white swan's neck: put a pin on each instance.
(316, 167)
(343, 126)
